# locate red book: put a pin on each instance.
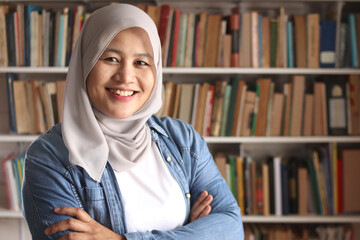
(9, 157)
(235, 38)
(164, 19)
(340, 186)
(175, 34)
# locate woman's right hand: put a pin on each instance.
(201, 207)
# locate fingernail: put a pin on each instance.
(56, 209)
(46, 231)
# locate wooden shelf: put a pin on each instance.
(301, 219)
(313, 139)
(204, 71)
(6, 213)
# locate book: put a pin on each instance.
(170, 92)
(174, 38)
(264, 85)
(302, 191)
(353, 41)
(226, 103)
(220, 160)
(218, 105)
(290, 44)
(186, 99)
(190, 32)
(60, 91)
(245, 40)
(212, 39)
(297, 105)
(319, 120)
(200, 107)
(354, 86)
(241, 89)
(248, 113)
(232, 103)
(4, 60)
(313, 40)
(276, 114)
(266, 188)
(200, 42)
(175, 108)
(235, 39)
(308, 115)
(240, 183)
(10, 38)
(327, 43)
(277, 186)
(194, 104)
(265, 43)
(273, 41)
(287, 109)
(181, 44)
(300, 40)
(254, 32)
(208, 111)
(351, 168)
(336, 108)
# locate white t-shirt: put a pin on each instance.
(151, 196)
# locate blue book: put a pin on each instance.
(353, 41)
(10, 77)
(260, 39)
(27, 36)
(290, 44)
(327, 43)
(60, 43)
(10, 38)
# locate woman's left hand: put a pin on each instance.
(84, 226)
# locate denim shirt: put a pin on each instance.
(50, 181)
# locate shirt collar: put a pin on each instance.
(153, 125)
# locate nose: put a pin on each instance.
(124, 73)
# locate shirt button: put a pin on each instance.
(152, 130)
(188, 195)
(168, 159)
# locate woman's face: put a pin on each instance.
(122, 79)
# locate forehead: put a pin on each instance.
(135, 37)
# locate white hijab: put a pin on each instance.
(92, 137)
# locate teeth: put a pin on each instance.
(121, 93)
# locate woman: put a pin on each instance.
(112, 169)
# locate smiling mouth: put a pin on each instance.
(121, 93)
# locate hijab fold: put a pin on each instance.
(92, 137)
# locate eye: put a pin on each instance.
(141, 63)
(111, 59)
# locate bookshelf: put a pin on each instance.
(203, 74)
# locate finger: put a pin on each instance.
(202, 196)
(67, 224)
(75, 236)
(75, 212)
(205, 212)
(196, 211)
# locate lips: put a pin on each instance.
(122, 93)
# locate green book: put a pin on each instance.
(225, 109)
(230, 116)
(256, 108)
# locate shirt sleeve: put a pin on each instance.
(45, 186)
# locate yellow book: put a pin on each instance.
(240, 184)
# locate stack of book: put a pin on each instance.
(12, 167)
(321, 182)
(259, 108)
(34, 106)
(31, 35)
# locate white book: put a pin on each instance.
(277, 186)
(14, 202)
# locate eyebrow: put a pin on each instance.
(147, 55)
